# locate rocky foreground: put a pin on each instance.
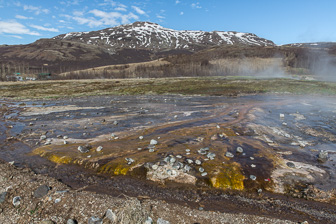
(27, 197)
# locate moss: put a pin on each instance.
(228, 177)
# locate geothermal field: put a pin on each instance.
(271, 152)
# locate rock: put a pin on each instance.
(218, 127)
(65, 137)
(229, 154)
(83, 149)
(115, 123)
(99, 148)
(282, 115)
(172, 160)
(290, 165)
(31, 124)
(43, 137)
(239, 150)
(129, 161)
(153, 142)
(149, 220)
(322, 156)
(190, 161)
(95, 220)
(155, 167)
(198, 162)
(211, 155)
(16, 201)
(253, 166)
(201, 169)
(71, 221)
(141, 137)
(179, 156)
(111, 215)
(187, 150)
(3, 197)
(57, 200)
(186, 168)
(41, 191)
(203, 151)
(204, 174)
(65, 142)
(162, 221)
(252, 177)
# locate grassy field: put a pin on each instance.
(228, 86)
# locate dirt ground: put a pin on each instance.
(62, 203)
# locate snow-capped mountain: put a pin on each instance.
(153, 37)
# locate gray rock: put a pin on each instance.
(99, 148)
(322, 156)
(211, 155)
(16, 201)
(153, 142)
(186, 168)
(57, 200)
(204, 174)
(203, 151)
(172, 160)
(41, 191)
(149, 220)
(290, 165)
(115, 122)
(201, 169)
(3, 197)
(129, 161)
(162, 221)
(198, 162)
(155, 167)
(190, 161)
(240, 150)
(71, 221)
(253, 177)
(43, 137)
(111, 215)
(95, 220)
(229, 154)
(83, 149)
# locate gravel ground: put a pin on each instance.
(61, 203)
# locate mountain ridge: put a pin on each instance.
(152, 36)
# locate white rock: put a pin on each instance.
(153, 142)
(141, 137)
(99, 148)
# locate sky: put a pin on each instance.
(282, 21)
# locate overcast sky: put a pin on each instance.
(282, 21)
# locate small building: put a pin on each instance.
(44, 75)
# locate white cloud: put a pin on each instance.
(112, 18)
(196, 5)
(138, 10)
(13, 27)
(16, 36)
(121, 9)
(23, 17)
(177, 2)
(34, 9)
(160, 17)
(181, 13)
(44, 28)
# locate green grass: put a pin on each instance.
(229, 86)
